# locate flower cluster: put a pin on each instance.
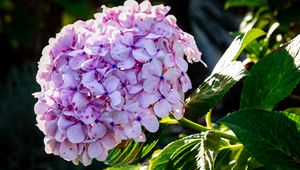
(104, 79)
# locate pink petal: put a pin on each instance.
(119, 117)
(89, 76)
(134, 130)
(40, 107)
(150, 122)
(120, 133)
(162, 108)
(164, 88)
(50, 145)
(126, 19)
(88, 116)
(79, 100)
(181, 64)
(140, 55)
(94, 149)
(103, 155)
(120, 52)
(185, 83)
(151, 84)
(68, 151)
(150, 47)
(134, 89)
(108, 141)
(50, 127)
(131, 77)
(171, 75)
(63, 123)
(86, 160)
(173, 96)
(146, 99)
(94, 87)
(155, 67)
(60, 136)
(140, 138)
(75, 133)
(76, 62)
(115, 98)
(126, 38)
(98, 130)
(69, 81)
(126, 64)
(111, 83)
(178, 110)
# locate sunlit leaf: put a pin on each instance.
(273, 77)
(197, 151)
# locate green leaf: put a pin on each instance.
(272, 137)
(273, 77)
(226, 73)
(212, 90)
(131, 151)
(197, 151)
(127, 167)
(233, 3)
(208, 151)
(238, 45)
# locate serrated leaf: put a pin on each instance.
(160, 162)
(131, 151)
(273, 77)
(226, 73)
(272, 137)
(233, 3)
(196, 151)
(208, 151)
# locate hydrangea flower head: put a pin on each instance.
(103, 80)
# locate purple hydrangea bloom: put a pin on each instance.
(105, 79)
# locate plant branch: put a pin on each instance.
(198, 127)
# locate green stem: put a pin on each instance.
(198, 127)
(208, 119)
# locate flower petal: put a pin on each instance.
(120, 52)
(178, 110)
(108, 141)
(134, 130)
(98, 130)
(79, 100)
(88, 116)
(115, 98)
(150, 122)
(140, 55)
(146, 99)
(126, 64)
(94, 87)
(155, 67)
(68, 150)
(162, 108)
(86, 160)
(94, 149)
(111, 83)
(75, 133)
(151, 84)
